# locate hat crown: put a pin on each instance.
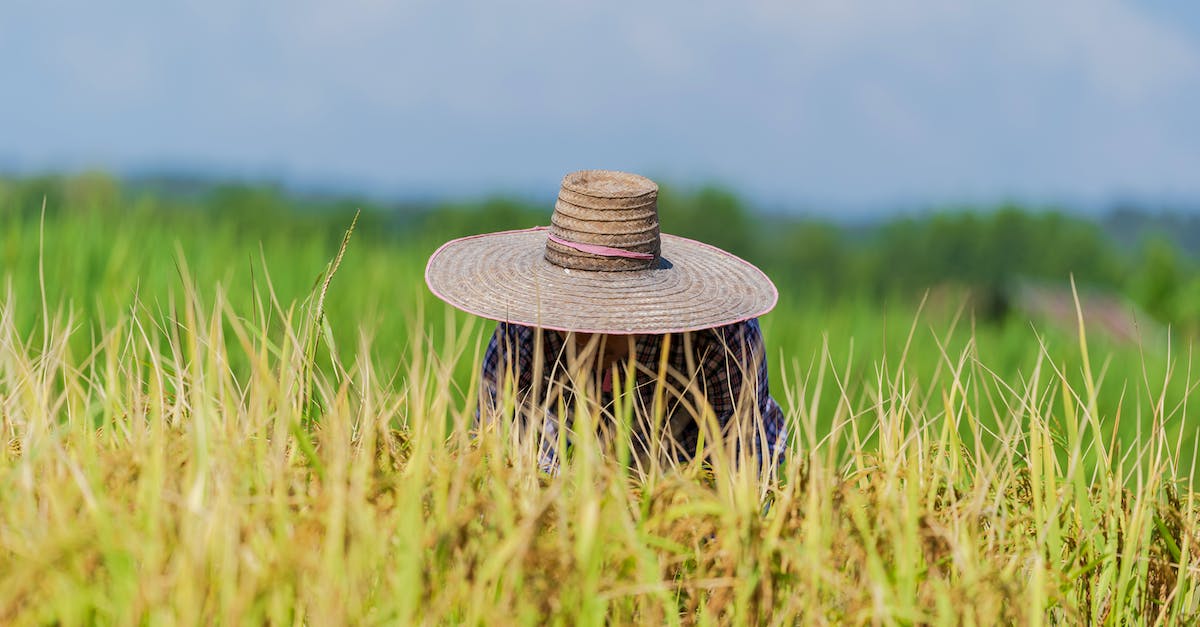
(605, 221)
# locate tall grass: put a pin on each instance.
(174, 470)
(102, 260)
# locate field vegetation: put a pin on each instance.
(210, 406)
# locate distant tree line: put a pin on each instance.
(1149, 258)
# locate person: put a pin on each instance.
(601, 314)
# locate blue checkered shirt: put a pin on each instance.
(714, 375)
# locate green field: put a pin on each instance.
(196, 423)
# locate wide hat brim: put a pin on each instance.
(505, 276)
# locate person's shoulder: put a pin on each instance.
(736, 333)
(521, 335)
(740, 328)
(512, 327)
(511, 333)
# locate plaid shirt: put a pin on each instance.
(717, 375)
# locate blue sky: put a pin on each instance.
(825, 106)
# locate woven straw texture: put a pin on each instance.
(606, 208)
(602, 266)
(505, 276)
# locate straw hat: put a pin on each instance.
(601, 267)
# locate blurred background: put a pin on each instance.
(976, 155)
(832, 107)
(936, 170)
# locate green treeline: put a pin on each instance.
(988, 251)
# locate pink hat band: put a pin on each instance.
(596, 249)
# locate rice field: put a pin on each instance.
(197, 425)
